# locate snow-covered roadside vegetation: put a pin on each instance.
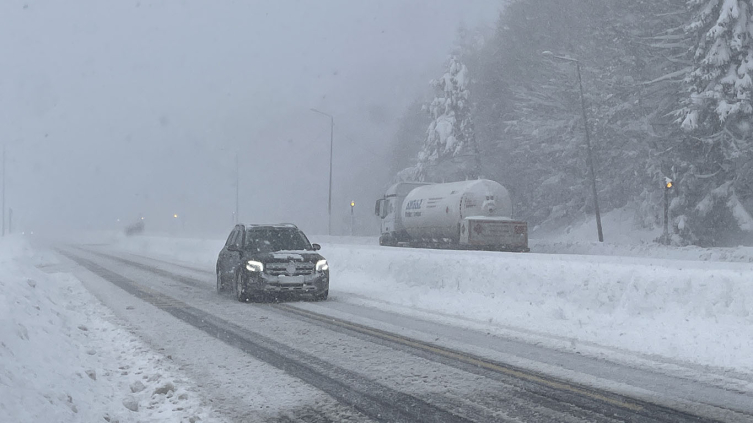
(666, 89)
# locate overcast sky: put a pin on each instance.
(113, 109)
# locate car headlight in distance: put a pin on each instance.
(322, 266)
(255, 266)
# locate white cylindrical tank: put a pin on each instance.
(435, 211)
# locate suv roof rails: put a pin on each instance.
(283, 225)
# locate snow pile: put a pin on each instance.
(623, 238)
(60, 361)
(618, 226)
(648, 250)
(695, 311)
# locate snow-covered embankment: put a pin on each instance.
(63, 360)
(695, 311)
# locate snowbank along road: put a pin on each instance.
(335, 361)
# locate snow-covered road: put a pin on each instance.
(359, 357)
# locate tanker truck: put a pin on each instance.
(461, 215)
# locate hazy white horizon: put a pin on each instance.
(114, 109)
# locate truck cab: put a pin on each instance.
(388, 209)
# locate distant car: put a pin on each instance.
(259, 260)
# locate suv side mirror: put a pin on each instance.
(316, 247)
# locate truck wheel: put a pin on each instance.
(240, 288)
(388, 240)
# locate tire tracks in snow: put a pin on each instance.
(368, 397)
(560, 396)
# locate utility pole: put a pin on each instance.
(588, 141)
(590, 156)
(237, 188)
(331, 144)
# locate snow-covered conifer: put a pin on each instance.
(449, 151)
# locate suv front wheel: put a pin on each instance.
(240, 288)
(322, 297)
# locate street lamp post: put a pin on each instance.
(588, 141)
(352, 219)
(331, 144)
(237, 189)
(182, 218)
(668, 184)
(4, 163)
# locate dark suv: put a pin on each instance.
(271, 259)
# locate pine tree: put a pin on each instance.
(716, 119)
(449, 151)
(721, 81)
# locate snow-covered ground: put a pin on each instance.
(64, 358)
(622, 238)
(690, 310)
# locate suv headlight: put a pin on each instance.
(322, 266)
(255, 266)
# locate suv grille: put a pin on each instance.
(290, 269)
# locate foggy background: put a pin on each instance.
(114, 110)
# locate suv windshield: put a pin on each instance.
(266, 240)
